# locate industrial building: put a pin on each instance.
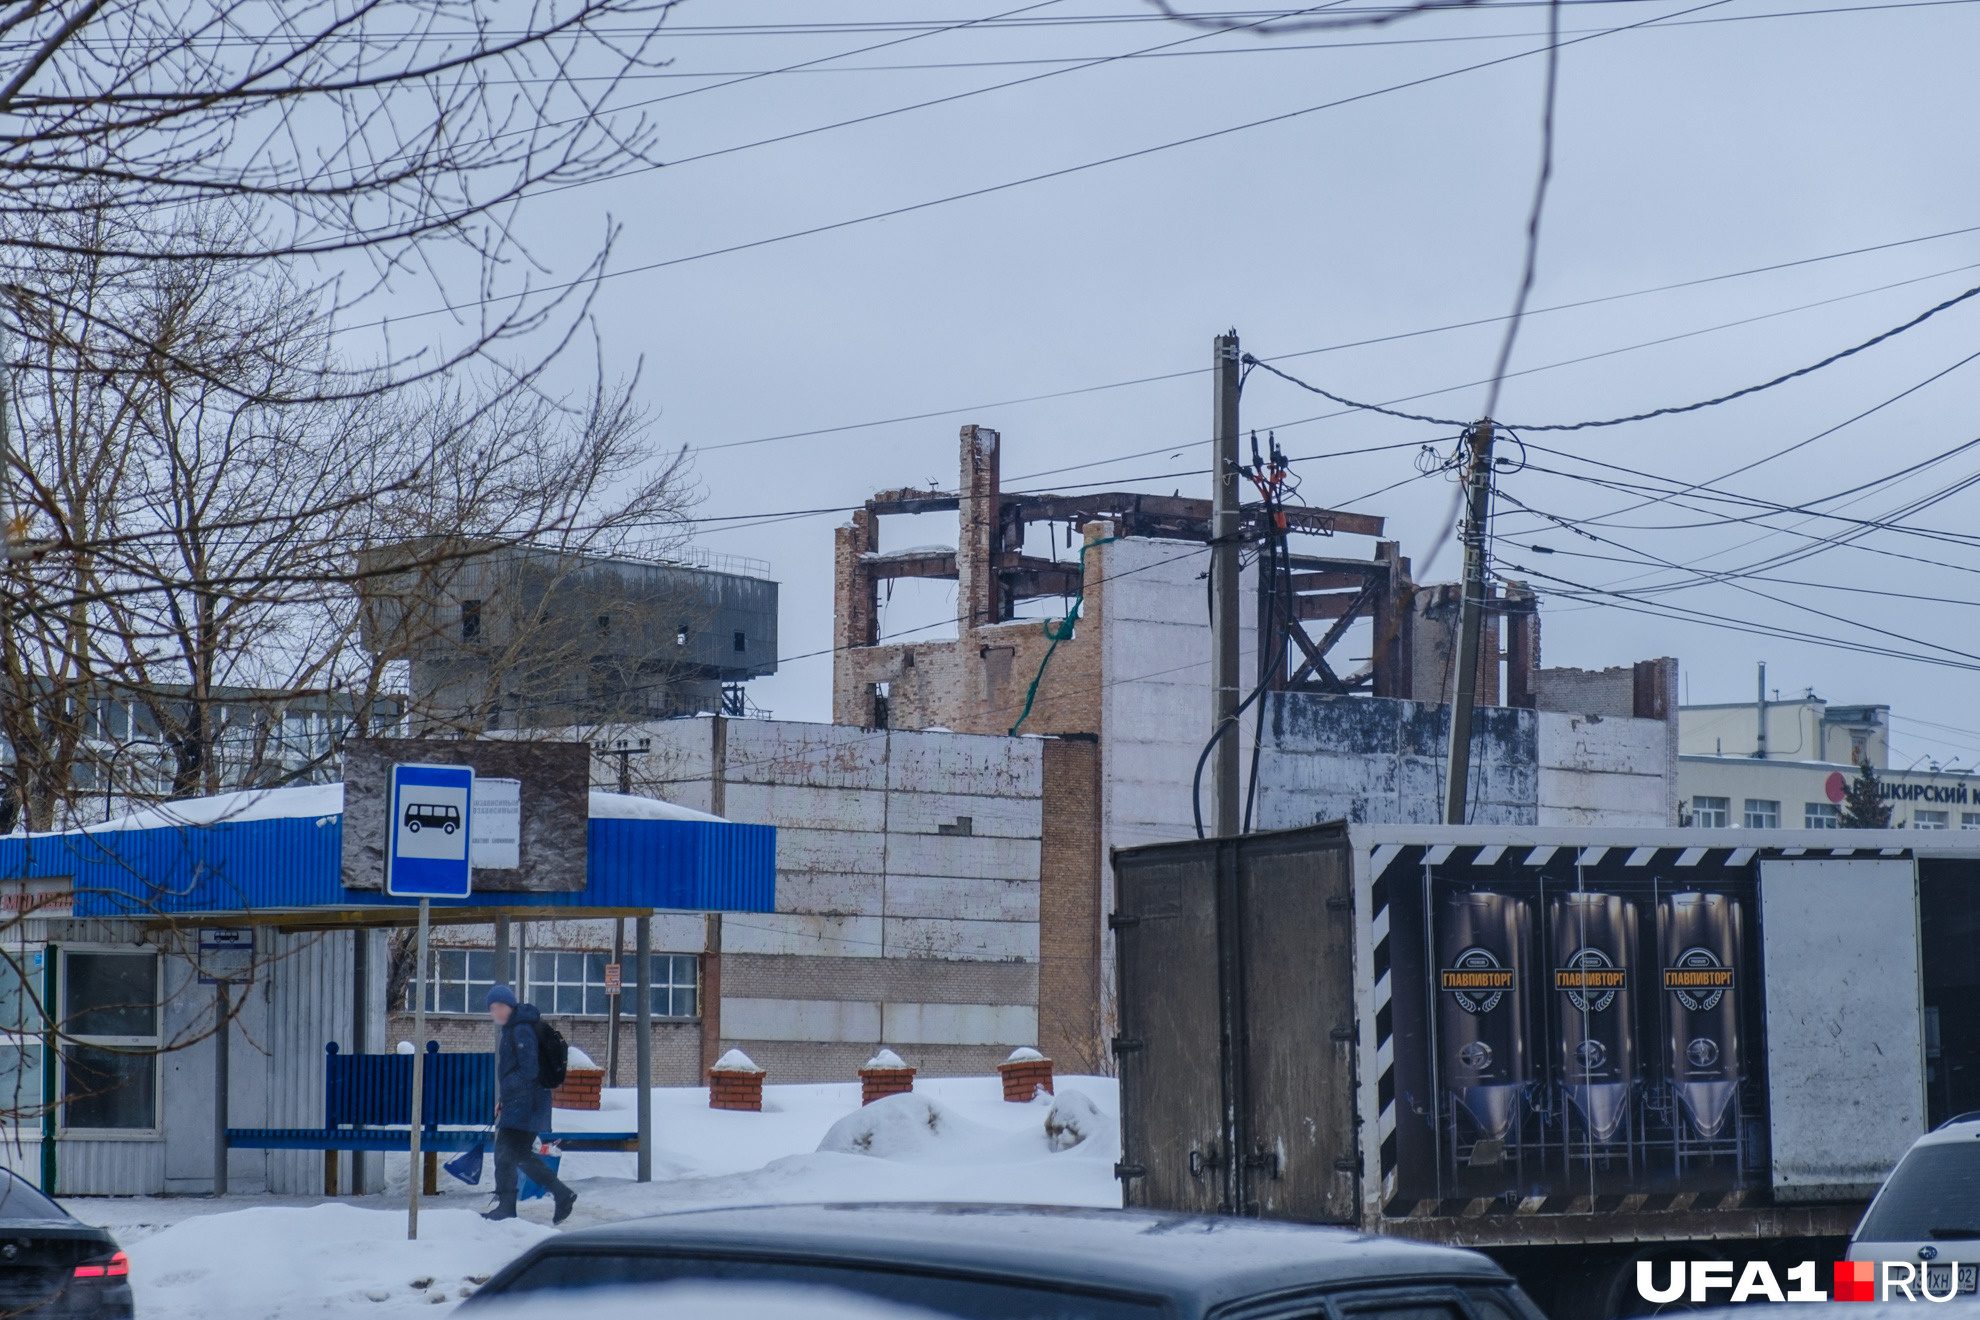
(1771, 764)
(531, 637)
(941, 886)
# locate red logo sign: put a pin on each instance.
(1837, 787)
(1856, 1280)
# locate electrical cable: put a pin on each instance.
(987, 190)
(1672, 410)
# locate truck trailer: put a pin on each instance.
(1573, 1049)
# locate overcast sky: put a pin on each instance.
(1700, 140)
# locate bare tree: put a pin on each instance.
(204, 528)
(385, 140)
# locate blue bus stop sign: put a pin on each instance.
(426, 833)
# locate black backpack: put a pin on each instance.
(553, 1055)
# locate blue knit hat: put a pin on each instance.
(501, 994)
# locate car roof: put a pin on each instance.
(1208, 1259)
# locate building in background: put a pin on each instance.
(1773, 764)
(535, 638)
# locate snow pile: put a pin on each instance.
(622, 806)
(736, 1061)
(273, 1262)
(1025, 1054)
(1073, 1119)
(693, 1301)
(577, 1058)
(885, 1059)
(900, 1127)
(950, 1139)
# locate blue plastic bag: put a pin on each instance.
(530, 1191)
(467, 1165)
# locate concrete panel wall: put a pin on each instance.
(1607, 770)
(1381, 760)
(908, 890)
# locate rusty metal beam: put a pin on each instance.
(1335, 581)
(1176, 510)
(885, 567)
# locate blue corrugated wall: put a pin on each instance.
(253, 865)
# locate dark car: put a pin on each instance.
(991, 1262)
(53, 1266)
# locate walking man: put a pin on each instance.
(522, 1108)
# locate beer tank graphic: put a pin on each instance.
(1592, 944)
(1481, 1019)
(1698, 943)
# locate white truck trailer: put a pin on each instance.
(1573, 1049)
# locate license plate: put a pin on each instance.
(1938, 1278)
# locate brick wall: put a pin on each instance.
(1069, 918)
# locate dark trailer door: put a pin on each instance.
(1236, 976)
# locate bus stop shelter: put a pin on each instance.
(269, 862)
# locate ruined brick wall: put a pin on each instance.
(1069, 916)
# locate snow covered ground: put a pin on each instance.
(953, 1139)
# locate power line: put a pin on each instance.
(1534, 214)
(1673, 410)
(1164, 377)
(1046, 176)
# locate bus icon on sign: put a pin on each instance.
(420, 816)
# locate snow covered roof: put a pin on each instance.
(318, 800)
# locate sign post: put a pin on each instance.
(427, 856)
(226, 955)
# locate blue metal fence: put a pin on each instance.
(375, 1090)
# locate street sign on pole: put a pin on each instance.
(427, 852)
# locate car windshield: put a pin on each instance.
(973, 1298)
(1934, 1193)
(19, 1200)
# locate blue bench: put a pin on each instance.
(367, 1105)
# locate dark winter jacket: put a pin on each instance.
(525, 1103)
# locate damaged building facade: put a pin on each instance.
(942, 886)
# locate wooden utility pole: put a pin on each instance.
(1471, 617)
(1225, 797)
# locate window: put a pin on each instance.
(1928, 820)
(1934, 1191)
(568, 984)
(676, 984)
(20, 1045)
(1969, 820)
(1710, 813)
(470, 620)
(562, 983)
(1762, 814)
(110, 1069)
(1821, 816)
(742, 643)
(459, 980)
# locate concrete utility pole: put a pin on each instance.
(1760, 707)
(1478, 508)
(1224, 794)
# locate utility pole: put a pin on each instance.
(1225, 798)
(1478, 508)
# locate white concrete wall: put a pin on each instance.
(1605, 770)
(1155, 702)
(873, 865)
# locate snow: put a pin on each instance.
(1025, 1054)
(885, 1059)
(577, 1058)
(621, 806)
(327, 800)
(736, 1061)
(951, 1139)
(276, 1262)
